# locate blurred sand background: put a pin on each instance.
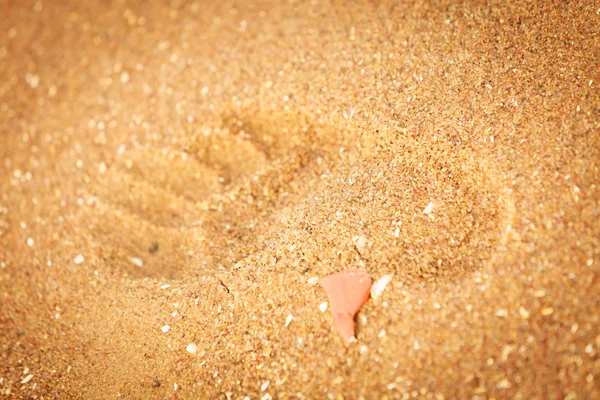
(182, 172)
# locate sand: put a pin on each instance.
(183, 173)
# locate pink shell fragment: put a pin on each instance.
(347, 292)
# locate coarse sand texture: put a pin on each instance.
(299, 199)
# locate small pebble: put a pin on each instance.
(32, 80)
(192, 348)
(361, 243)
(30, 242)
(547, 311)
(264, 385)
(507, 350)
(503, 384)
(523, 313)
(165, 328)
(79, 259)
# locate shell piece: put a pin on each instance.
(379, 286)
(347, 292)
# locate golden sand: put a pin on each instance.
(176, 177)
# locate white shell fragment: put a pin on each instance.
(79, 259)
(313, 280)
(379, 286)
(429, 208)
(323, 306)
(165, 328)
(138, 262)
(361, 243)
(288, 319)
(264, 385)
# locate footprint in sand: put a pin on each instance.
(171, 212)
(174, 212)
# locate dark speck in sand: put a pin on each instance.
(153, 248)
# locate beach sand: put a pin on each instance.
(182, 173)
